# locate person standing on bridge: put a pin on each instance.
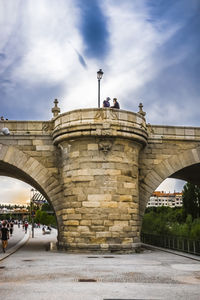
(4, 236)
(106, 102)
(115, 104)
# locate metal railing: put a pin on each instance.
(172, 242)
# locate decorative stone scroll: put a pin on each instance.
(106, 132)
(106, 114)
(113, 115)
(100, 115)
(149, 128)
(46, 127)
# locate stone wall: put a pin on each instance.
(100, 205)
(98, 168)
(33, 138)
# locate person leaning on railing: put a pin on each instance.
(115, 103)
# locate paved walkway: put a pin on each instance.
(34, 273)
(17, 239)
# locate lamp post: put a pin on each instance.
(32, 212)
(99, 76)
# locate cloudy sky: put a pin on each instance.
(13, 191)
(148, 50)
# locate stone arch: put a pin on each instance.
(15, 163)
(163, 170)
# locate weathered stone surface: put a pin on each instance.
(98, 167)
(103, 234)
(85, 222)
(126, 198)
(71, 223)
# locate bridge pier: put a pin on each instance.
(99, 163)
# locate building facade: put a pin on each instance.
(160, 198)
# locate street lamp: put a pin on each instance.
(99, 76)
(32, 212)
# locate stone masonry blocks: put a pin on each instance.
(91, 165)
(101, 214)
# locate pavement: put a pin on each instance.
(33, 272)
(17, 240)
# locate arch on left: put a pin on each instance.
(17, 164)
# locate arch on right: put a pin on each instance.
(184, 166)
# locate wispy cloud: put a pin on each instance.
(14, 191)
(81, 60)
(93, 26)
(148, 50)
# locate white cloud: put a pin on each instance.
(8, 23)
(171, 185)
(48, 28)
(13, 191)
(134, 41)
(48, 39)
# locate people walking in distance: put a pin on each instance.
(4, 236)
(8, 225)
(106, 102)
(26, 226)
(11, 228)
(115, 103)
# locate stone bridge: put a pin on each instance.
(98, 168)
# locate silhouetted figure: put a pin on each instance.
(115, 103)
(106, 102)
(11, 228)
(4, 237)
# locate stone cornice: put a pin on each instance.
(101, 123)
(159, 133)
(28, 127)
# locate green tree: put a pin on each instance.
(191, 200)
(195, 230)
(156, 221)
(46, 207)
(43, 218)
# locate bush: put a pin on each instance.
(43, 218)
(170, 221)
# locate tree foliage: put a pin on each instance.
(170, 221)
(46, 207)
(191, 200)
(183, 221)
(43, 217)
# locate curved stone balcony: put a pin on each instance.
(104, 122)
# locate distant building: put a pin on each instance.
(5, 210)
(165, 199)
(17, 213)
(38, 199)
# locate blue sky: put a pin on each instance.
(148, 50)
